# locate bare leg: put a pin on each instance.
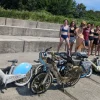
(65, 47)
(60, 44)
(92, 48)
(68, 45)
(96, 46)
(79, 44)
(98, 49)
(71, 47)
(89, 48)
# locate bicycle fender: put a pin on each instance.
(22, 68)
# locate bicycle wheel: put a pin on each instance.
(39, 69)
(25, 80)
(74, 74)
(88, 73)
(73, 81)
(36, 85)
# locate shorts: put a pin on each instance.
(91, 38)
(72, 39)
(96, 40)
(64, 36)
(86, 42)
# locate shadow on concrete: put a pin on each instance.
(96, 73)
(24, 91)
(2, 87)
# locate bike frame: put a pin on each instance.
(14, 73)
(10, 78)
(96, 67)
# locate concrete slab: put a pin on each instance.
(41, 43)
(21, 57)
(31, 24)
(85, 89)
(21, 23)
(95, 77)
(46, 25)
(19, 31)
(13, 44)
(2, 21)
(23, 93)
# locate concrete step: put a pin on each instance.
(19, 31)
(28, 23)
(13, 44)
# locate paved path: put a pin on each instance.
(85, 89)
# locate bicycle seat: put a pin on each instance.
(82, 55)
(13, 61)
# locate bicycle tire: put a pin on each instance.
(23, 82)
(38, 79)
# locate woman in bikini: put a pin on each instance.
(79, 37)
(91, 37)
(72, 35)
(99, 44)
(96, 39)
(64, 35)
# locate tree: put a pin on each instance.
(9, 4)
(80, 10)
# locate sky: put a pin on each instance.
(90, 4)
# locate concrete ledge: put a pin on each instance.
(17, 31)
(21, 23)
(2, 21)
(31, 46)
(36, 44)
(13, 44)
(28, 23)
(46, 25)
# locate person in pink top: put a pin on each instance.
(86, 32)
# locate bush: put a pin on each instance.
(39, 16)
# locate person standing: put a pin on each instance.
(79, 37)
(64, 35)
(86, 32)
(99, 45)
(72, 34)
(96, 39)
(91, 37)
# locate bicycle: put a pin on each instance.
(20, 74)
(81, 59)
(43, 79)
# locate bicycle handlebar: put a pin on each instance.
(48, 49)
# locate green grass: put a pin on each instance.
(39, 16)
